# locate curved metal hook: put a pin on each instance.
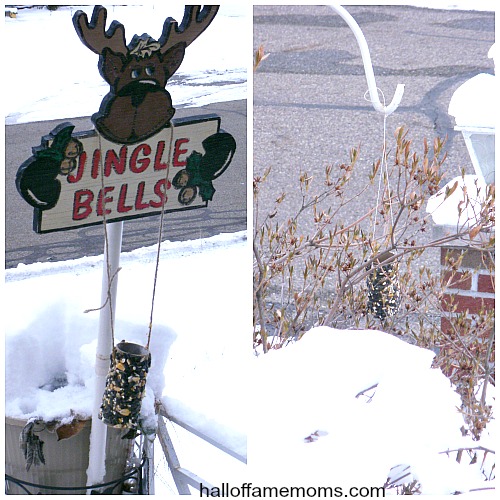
(367, 63)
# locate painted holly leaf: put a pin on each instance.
(36, 178)
(207, 191)
(193, 167)
(55, 152)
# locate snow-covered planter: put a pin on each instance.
(66, 458)
(49, 378)
(50, 346)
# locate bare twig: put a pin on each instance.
(361, 393)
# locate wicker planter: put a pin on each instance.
(66, 461)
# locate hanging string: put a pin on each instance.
(111, 278)
(384, 296)
(384, 169)
(160, 233)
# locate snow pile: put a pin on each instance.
(472, 104)
(321, 431)
(311, 422)
(453, 210)
(198, 340)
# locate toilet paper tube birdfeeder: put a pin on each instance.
(384, 297)
(125, 385)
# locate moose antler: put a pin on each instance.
(94, 34)
(194, 23)
(138, 105)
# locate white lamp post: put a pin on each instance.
(473, 105)
(480, 142)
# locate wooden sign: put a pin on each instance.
(72, 180)
(140, 161)
(138, 106)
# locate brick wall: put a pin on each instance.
(471, 285)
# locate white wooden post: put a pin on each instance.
(172, 460)
(97, 453)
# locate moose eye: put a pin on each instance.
(135, 73)
(150, 70)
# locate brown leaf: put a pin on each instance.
(69, 430)
(259, 57)
(475, 231)
(449, 191)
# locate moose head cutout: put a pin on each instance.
(138, 106)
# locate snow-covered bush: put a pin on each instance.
(325, 277)
(362, 408)
(328, 263)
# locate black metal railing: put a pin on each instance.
(107, 488)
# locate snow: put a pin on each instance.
(471, 103)
(445, 210)
(203, 369)
(193, 345)
(409, 418)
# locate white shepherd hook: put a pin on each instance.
(367, 63)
